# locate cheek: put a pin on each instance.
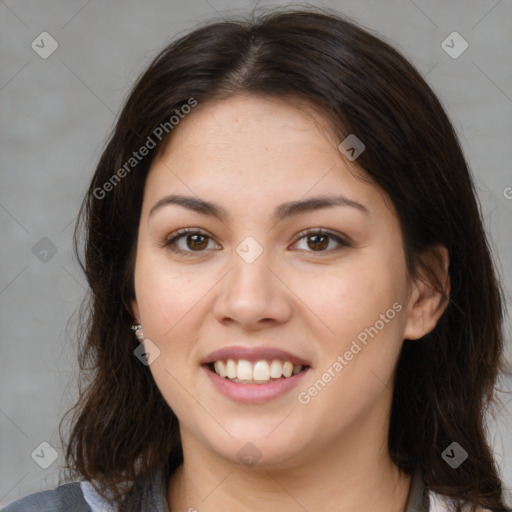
(166, 295)
(356, 366)
(169, 304)
(352, 297)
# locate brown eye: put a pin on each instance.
(319, 239)
(188, 241)
(316, 242)
(196, 242)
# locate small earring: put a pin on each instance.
(138, 331)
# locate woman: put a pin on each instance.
(293, 304)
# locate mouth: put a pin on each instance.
(255, 368)
(262, 371)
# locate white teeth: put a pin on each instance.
(220, 368)
(259, 372)
(231, 369)
(244, 370)
(276, 369)
(287, 369)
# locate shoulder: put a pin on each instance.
(63, 498)
(149, 495)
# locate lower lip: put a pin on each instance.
(254, 393)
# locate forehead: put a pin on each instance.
(256, 151)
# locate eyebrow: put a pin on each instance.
(281, 212)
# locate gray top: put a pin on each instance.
(150, 496)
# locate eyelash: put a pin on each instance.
(188, 231)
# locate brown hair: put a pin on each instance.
(122, 428)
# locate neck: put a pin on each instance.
(346, 477)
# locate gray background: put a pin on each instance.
(55, 114)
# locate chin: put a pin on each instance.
(261, 448)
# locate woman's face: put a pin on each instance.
(262, 288)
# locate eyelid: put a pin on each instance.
(186, 231)
(181, 233)
(342, 240)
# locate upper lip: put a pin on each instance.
(253, 354)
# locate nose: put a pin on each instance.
(253, 295)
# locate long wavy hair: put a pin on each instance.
(122, 430)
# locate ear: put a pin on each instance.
(426, 302)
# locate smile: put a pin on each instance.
(254, 372)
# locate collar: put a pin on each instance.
(417, 500)
(154, 496)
